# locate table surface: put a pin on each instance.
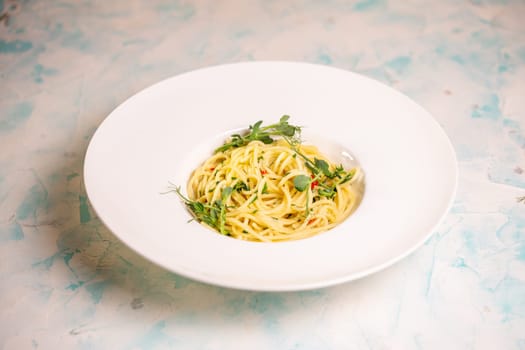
(67, 282)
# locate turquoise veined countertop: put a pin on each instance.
(66, 282)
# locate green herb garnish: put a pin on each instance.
(322, 182)
(301, 182)
(241, 186)
(213, 215)
(264, 134)
(265, 188)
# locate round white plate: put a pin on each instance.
(160, 134)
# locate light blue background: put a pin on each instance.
(66, 282)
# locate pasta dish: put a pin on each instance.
(267, 186)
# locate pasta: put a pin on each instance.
(272, 191)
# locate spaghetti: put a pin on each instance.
(272, 190)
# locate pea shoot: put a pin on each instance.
(264, 134)
(213, 215)
(322, 180)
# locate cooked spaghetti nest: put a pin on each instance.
(260, 198)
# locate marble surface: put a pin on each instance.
(66, 282)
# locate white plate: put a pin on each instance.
(162, 133)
